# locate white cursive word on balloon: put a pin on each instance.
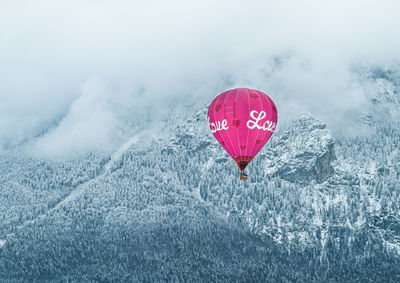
(218, 126)
(267, 126)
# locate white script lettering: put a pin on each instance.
(267, 126)
(218, 126)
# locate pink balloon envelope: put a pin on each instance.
(242, 120)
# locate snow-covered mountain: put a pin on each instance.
(317, 206)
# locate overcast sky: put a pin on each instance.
(86, 67)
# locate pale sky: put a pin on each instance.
(89, 70)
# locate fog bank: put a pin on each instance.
(81, 76)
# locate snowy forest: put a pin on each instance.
(109, 171)
(317, 206)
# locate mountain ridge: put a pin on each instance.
(317, 206)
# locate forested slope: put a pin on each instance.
(317, 206)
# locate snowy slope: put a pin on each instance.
(317, 206)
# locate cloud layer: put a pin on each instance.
(147, 55)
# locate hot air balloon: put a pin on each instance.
(242, 120)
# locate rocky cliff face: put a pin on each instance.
(301, 153)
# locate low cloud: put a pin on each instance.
(89, 125)
(148, 56)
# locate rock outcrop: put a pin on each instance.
(301, 153)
